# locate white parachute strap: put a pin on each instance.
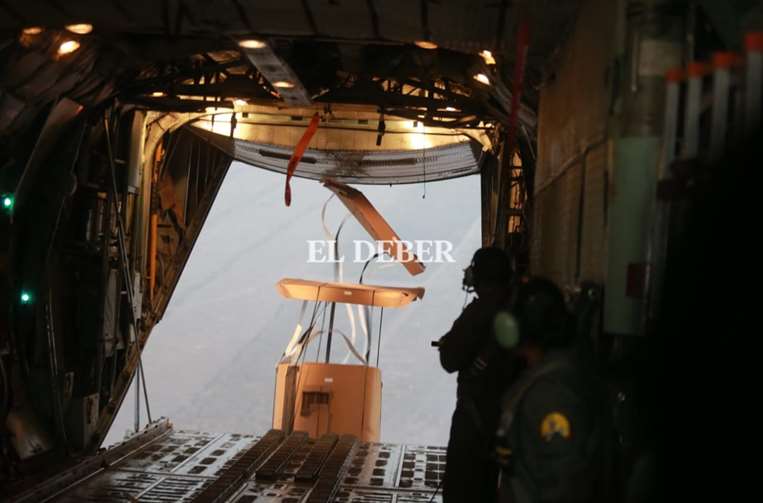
(339, 276)
(326, 231)
(304, 341)
(351, 347)
(296, 336)
(292, 359)
(365, 312)
(300, 338)
(353, 334)
(330, 236)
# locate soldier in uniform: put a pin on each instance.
(484, 372)
(553, 435)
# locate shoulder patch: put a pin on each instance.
(554, 424)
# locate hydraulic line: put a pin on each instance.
(126, 273)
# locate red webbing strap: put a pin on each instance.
(299, 151)
(523, 40)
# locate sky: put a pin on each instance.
(210, 362)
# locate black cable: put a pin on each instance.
(439, 485)
(378, 342)
(367, 312)
(53, 364)
(337, 265)
(368, 262)
(315, 311)
(136, 382)
(323, 318)
(368, 335)
(320, 334)
(145, 391)
(310, 326)
(304, 337)
(330, 332)
(303, 354)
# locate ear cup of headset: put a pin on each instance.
(506, 330)
(469, 281)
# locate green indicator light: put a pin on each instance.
(25, 297)
(8, 202)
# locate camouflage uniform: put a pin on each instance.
(553, 435)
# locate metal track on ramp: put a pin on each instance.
(170, 466)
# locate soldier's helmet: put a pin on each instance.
(542, 314)
(492, 264)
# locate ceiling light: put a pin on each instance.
(80, 28)
(283, 84)
(240, 102)
(68, 47)
(158, 94)
(488, 57)
(482, 79)
(252, 43)
(450, 109)
(32, 30)
(425, 44)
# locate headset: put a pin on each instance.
(469, 281)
